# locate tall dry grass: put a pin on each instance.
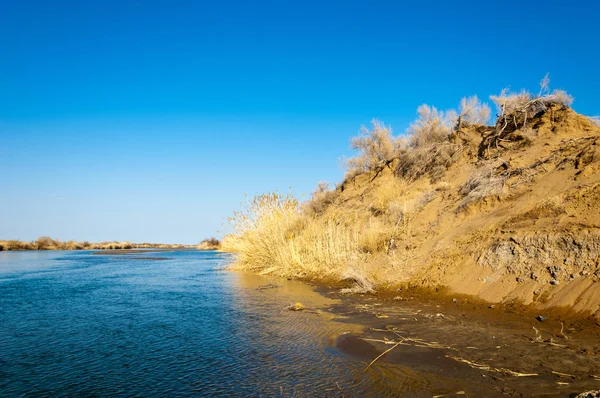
(272, 235)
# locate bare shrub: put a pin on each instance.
(429, 151)
(431, 127)
(516, 109)
(44, 243)
(472, 111)
(432, 161)
(321, 198)
(211, 243)
(377, 148)
(427, 197)
(70, 245)
(482, 184)
(18, 245)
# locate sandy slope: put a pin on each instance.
(529, 231)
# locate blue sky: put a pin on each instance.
(149, 121)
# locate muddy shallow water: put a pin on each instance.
(137, 325)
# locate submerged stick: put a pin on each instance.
(382, 354)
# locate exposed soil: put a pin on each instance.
(516, 223)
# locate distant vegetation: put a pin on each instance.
(210, 244)
(47, 243)
(398, 215)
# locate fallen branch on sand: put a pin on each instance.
(482, 366)
(538, 339)
(563, 374)
(268, 286)
(417, 342)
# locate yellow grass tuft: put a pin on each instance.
(273, 236)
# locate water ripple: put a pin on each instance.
(83, 325)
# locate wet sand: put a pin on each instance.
(452, 346)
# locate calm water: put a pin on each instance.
(78, 324)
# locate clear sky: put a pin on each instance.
(149, 120)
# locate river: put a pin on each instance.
(177, 323)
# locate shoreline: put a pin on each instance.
(106, 249)
(494, 349)
(444, 296)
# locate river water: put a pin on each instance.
(176, 323)
(164, 324)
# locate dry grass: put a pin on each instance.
(432, 161)
(17, 245)
(273, 236)
(482, 184)
(322, 198)
(387, 190)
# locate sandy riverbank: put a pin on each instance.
(442, 344)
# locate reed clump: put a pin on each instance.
(275, 234)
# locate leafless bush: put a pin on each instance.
(70, 245)
(429, 152)
(472, 111)
(516, 109)
(433, 161)
(45, 243)
(321, 198)
(377, 147)
(18, 245)
(210, 244)
(431, 127)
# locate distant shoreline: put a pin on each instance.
(47, 243)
